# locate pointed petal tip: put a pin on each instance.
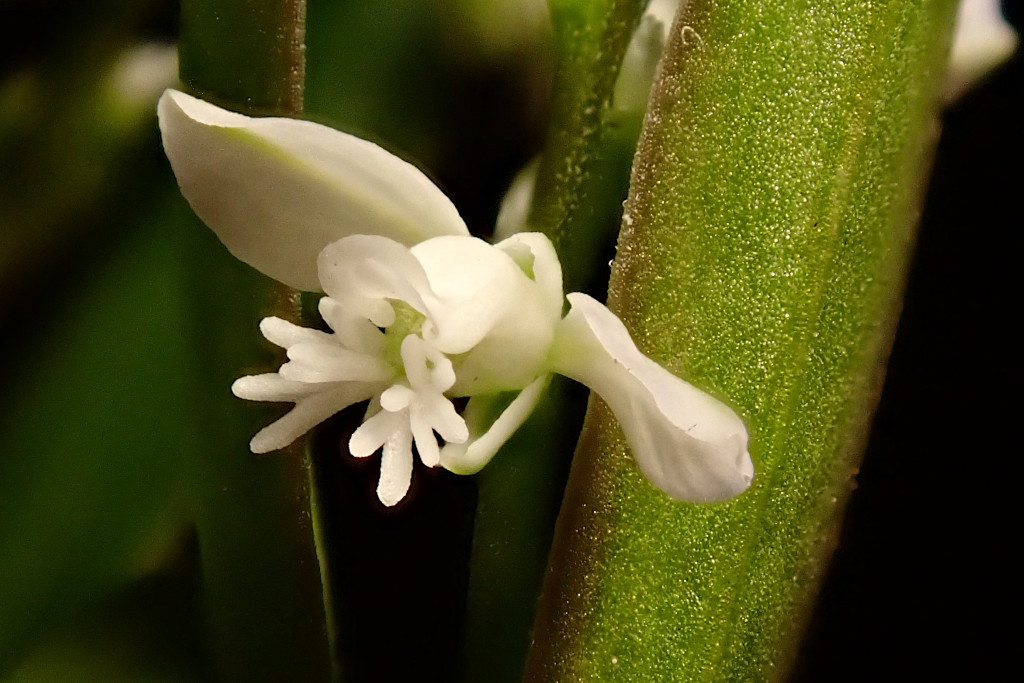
(176, 109)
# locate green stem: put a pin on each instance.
(261, 577)
(581, 183)
(765, 238)
(572, 196)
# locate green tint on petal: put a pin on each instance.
(277, 191)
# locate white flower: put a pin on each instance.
(982, 40)
(421, 312)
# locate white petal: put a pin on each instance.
(439, 412)
(414, 360)
(636, 75)
(423, 435)
(487, 433)
(397, 398)
(277, 191)
(307, 413)
(688, 444)
(982, 40)
(488, 305)
(284, 334)
(375, 432)
(363, 272)
(272, 387)
(355, 332)
(514, 212)
(395, 468)
(426, 367)
(535, 254)
(328, 361)
(474, 285)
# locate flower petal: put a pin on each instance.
(284, 334)
(487, 433)
(395, 467)
(271, 386)
(277, 191)
(327, 362)
(363, 272)
(514, 212)
(308, 412)
(355, 331)
(535, 254)
(474, 285)
(488, 304)
(688, 443)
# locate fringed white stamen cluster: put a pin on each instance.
(411, 410)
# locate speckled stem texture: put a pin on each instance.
(764, 242)
(591, 38)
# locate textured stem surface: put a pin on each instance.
(764, 242)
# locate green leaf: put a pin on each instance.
(765, 238)
(94, 434)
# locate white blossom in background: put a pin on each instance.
(421, 312)
(629, 98)
(982, 40)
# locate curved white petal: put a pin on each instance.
(277, 191)
(499, 304)
(282, 333)
(489, 429)
(355, 331)
(514, 212)
(534, 253)
(982, 40)
(474, 285)
(363, 272)
(688, 443)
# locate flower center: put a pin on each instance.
(407, 321)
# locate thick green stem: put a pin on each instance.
(763, 251)
(261, 577)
